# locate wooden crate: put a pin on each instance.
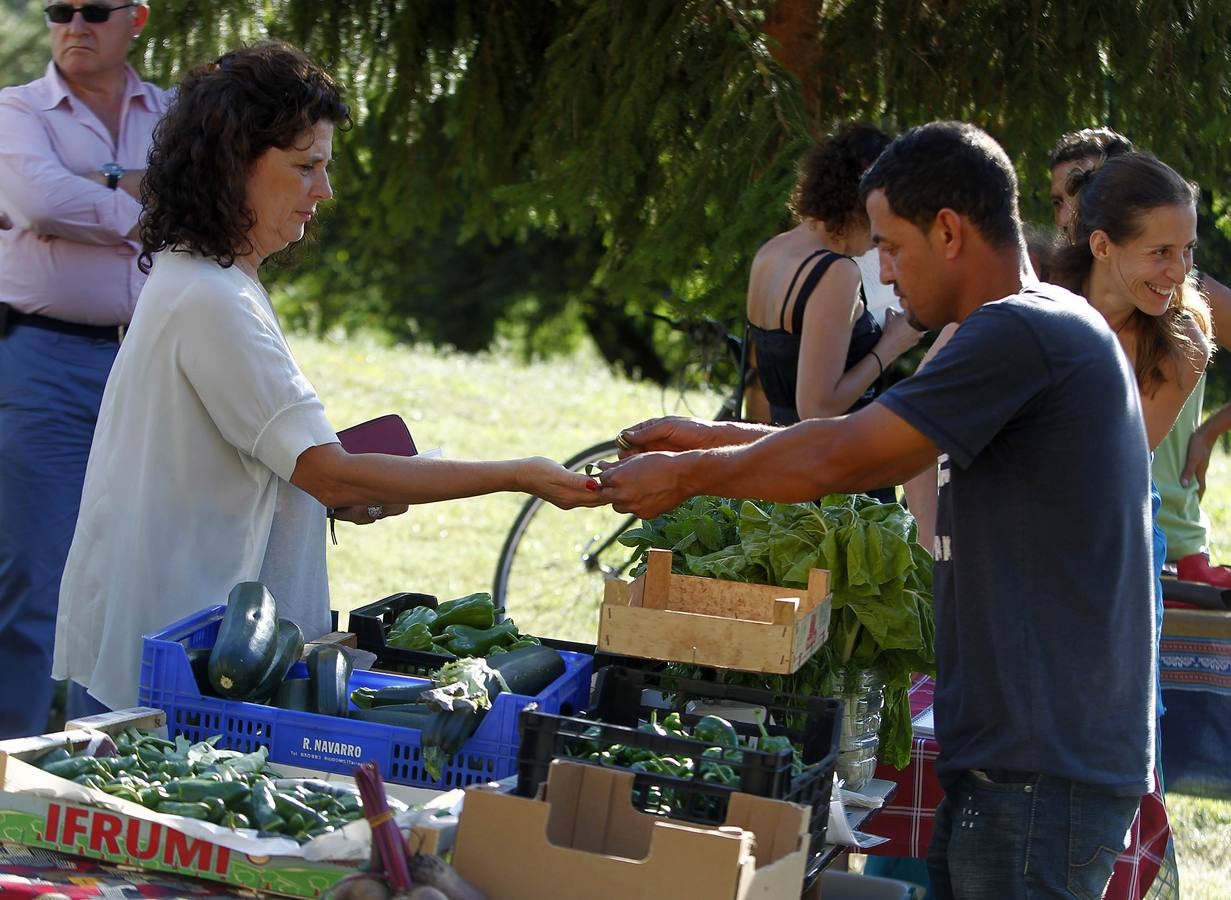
(711, 622)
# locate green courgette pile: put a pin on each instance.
(462, 627)
(199, 781)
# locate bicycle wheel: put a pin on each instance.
(549, 576)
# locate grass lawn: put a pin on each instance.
(491, 407)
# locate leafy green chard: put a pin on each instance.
(880, 577)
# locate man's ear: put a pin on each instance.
(141, 14)
(1100, 244)
(946, 234)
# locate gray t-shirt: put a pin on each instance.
(1044, 616)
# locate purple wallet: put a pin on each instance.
(386, 434)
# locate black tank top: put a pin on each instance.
(778, 349)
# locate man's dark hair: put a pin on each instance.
(1088, 142)
(949, 165)
(828, 185)
(224, 116)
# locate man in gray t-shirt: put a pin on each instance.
(1044, 627)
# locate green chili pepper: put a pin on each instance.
(189, 810)
(73, 767)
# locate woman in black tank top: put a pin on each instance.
(817, 350)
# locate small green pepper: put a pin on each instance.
(73, 767)
(770, 743)
(261, 801)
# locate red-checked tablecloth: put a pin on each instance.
(907, 820)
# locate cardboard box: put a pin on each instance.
(582, 838)
(711, 622)
(40, 810)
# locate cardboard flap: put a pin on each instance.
(778, 834)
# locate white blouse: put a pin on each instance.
(188, 491)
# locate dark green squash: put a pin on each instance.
(287, 652)
(329, 670)
(247, 640)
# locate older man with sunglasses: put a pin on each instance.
(73, 146)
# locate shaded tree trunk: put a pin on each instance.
(623, 340)
(793, 27)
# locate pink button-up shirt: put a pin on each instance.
(49, 140)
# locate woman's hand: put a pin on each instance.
(359, 515)
(552, 482)
(898, 334)
(1200, 447)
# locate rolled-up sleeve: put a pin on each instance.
(241, 369)
(40, 194)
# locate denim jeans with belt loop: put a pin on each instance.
(1010, 835)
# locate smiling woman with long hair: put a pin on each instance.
(1130, 254)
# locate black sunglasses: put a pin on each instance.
(94, 13)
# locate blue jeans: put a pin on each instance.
(1026, 836)
(51, 385)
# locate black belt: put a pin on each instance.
(11, 317)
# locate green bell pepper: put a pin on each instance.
(475, 610)
(716, 730)
(424, 615)
(416, 637)
(463, 640)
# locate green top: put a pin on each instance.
(1180, 517)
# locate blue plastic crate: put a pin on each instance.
(327, 742)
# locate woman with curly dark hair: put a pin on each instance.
(213, 462)
(818, 351)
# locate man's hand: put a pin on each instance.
(666, 433)
(557, 485)
(1200, 446)
(646, 485)
(358, 515)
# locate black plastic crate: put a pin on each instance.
(370, 624)
(621, 701)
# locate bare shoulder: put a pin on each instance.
(1196, 353)
(1218, 295)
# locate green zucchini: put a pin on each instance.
(246, 642)
(329, 670)
(369, 698)
(527, 670)
(198, 661)
(289, 647)
(405, 715)
(294, 693)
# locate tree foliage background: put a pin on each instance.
(546, 167)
